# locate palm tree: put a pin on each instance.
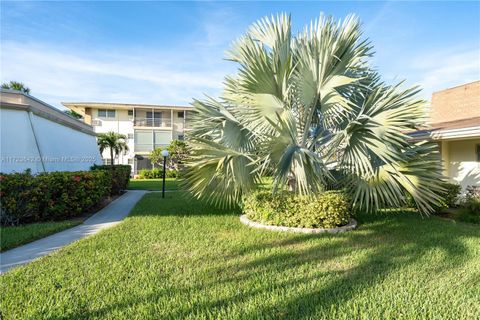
(15, 85)
(308, 110)
(114, 141)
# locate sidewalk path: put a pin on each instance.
(105, 218)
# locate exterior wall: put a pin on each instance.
(122, 123)
(152, 134)
(27, 139)
(460, 161)
(461, 102)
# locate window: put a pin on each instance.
(156, 114)
(107, 161)
(130, 161)
(130, 112)
(105, 113)
(143, 140)
(130, 136)
(181, 137)
(180, 114)
(478, 152)
(162, 138)
(96, 123)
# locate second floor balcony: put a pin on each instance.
(152, 122)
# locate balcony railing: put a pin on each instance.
(152, 122)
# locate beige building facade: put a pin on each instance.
(455, 123)
(146, 127)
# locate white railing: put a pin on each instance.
(152, 122)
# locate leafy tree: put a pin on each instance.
(178, 152)
(15, 85)
(309, 109)
(73, 114)
(115, 142)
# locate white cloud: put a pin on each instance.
(57, 74)
(447, 68)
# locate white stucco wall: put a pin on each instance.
(123, 124)
(62, 148)
(461, 163)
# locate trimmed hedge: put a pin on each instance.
(120, 176)
(29, 198)
(156, 173)
(328, 210)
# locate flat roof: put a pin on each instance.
(18, 100)
(121, 105)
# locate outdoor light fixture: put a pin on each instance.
(165, 155)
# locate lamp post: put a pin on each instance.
(165, 155)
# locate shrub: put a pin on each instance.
(328, 210)
(120, 176)
(157, 173)
(451, 194)
(172, 174)
(450, 197)
(50, 196)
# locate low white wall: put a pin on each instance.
(62, 148)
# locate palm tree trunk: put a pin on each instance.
(111, 157)
(292, 183)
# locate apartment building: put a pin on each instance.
(146, 127)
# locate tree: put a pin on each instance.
(115, 142)
(15, 85)
(73, 114)
(178, 153)
(308, 109)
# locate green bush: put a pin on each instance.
(28, 198)
(450, 197)
(471, 206)
(328, 210)
(452, 192)
(120, 176)
(156, 173)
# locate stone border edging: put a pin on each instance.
(352, 224)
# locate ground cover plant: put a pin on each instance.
(180, 258)
(14, 236)
(309, 110)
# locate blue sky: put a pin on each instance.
(171, 52)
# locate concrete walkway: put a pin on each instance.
(105, 218)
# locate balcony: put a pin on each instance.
(152, 122)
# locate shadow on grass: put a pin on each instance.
(390, 242)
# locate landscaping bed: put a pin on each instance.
(14, 236)
(178, 258)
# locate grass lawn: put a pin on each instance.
(153, 184)
(12, 237)
(177, 258)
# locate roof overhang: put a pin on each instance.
(126, 106)
(447, 134)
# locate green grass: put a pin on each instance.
(153, 184)
(177, 258)
(12, 237)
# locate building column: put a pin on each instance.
(171, 122)
(445, 154)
